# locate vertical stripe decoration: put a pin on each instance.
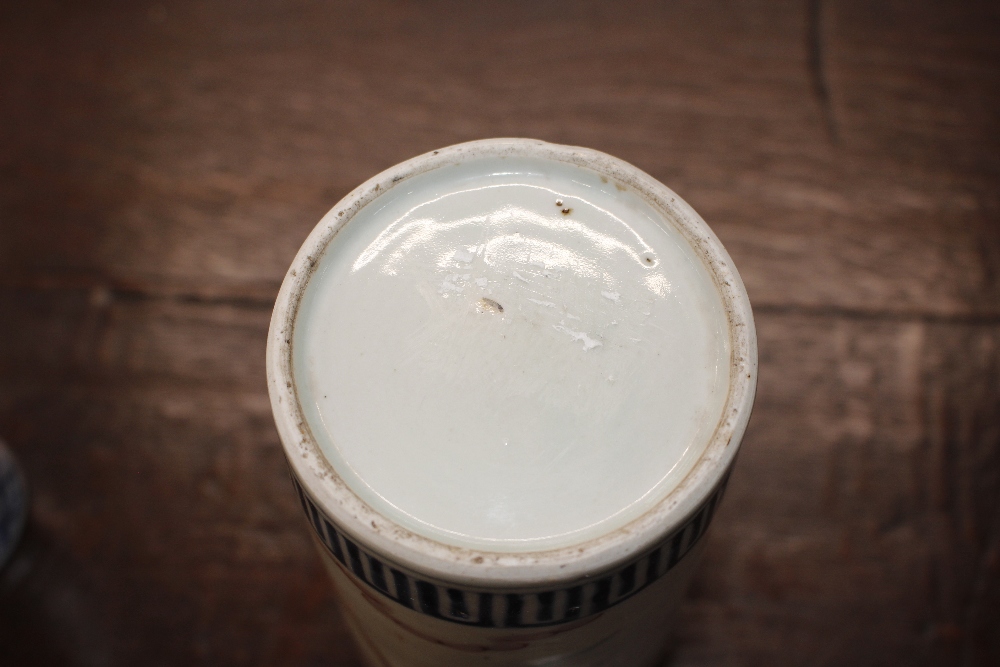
(502, 609)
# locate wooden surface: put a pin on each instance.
(161, 163)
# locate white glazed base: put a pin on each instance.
(635, 633)
(464, 337)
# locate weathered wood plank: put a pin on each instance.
(165, 511)
(862, 514)
(111, 335)
(865, 500)
(175, 158)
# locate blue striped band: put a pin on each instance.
(501, 608)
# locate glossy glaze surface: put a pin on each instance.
(511, 354)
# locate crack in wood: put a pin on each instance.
(261, 302)
(862, 314)
(237, 301)
(253, 299)
(817, 58)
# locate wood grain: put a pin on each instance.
(161, 163)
